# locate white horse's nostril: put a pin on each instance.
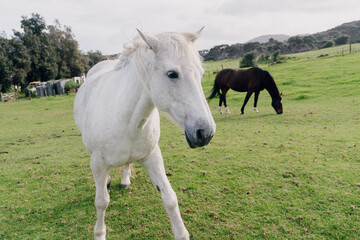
(200, 134)
(203, 137)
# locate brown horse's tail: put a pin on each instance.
(216, 89)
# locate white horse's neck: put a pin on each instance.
(142, 106)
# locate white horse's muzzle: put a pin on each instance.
(199, 135)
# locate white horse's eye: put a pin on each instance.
(172, 74)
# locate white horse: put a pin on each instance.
(116, 110)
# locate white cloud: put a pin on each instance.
(106, 25)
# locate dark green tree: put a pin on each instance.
(36, 24)
(327, 44)
(216, 53)
(5, 64)
(94, 58)
(341, 40)
(37, 43)
(309, 42)
(295, 43)
(275, 56)
(21, 62)
(248, 60)
(253, 46)
(273, 45)
(68, 56)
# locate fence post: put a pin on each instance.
(350, 47)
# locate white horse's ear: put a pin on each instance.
(193, 36)
(200, 31)
(151, 41)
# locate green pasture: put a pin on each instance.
(263, 176)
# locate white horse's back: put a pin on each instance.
(90, 88)
(102, 67)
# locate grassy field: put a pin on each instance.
(263, 176)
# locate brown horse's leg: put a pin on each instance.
(224, 99)
(248, 95)
(256, 100)
(220, 103)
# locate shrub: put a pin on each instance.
(275, 56)
(30, 91)
(344, 39)
(327, 44)
(69, 85)
(248, 60)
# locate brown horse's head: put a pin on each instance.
(277, 104)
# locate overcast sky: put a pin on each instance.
(106, 25)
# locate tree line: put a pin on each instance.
(41, 52)
(343, 34)
(292, 45)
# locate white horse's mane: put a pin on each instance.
(176, 44)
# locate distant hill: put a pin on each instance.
(266, 38)
(268, 44)
(351, 29)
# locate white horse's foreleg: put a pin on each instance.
(102, 198)
(155, 167)
(125, 182)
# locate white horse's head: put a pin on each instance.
(174, 71)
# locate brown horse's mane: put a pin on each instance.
(272, 87)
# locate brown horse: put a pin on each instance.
(251, 80)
